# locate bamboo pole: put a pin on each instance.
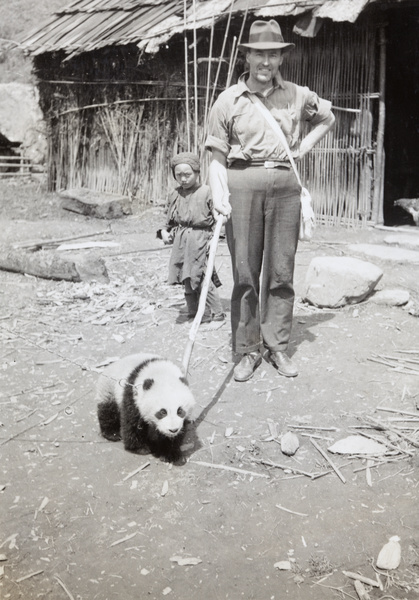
(203, 295)
(208, 79)
(195, 71)
(222, 54)
(229, 71)
(240, 36)
(185, 41)
(377, 208)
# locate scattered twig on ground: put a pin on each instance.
(227, 468)
(69, 594)
(399, 364)
(391, 475)
(383, 427)
(269, 463)
(317, 437)
(26, 416)
(361, 578)
(314, 427)
(397, 411)
(386, 443)
(277, 387)
(43, 422)
(337, 589)
(323, 473)
(380, 463)
(28, 576)
(124, 539)
(36, 244)
(361, 591)
(136, 471)
(293, 512)
(331, 463)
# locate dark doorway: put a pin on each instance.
(401, 140)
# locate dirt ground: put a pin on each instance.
(83, 519)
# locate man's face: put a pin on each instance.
(264, 64)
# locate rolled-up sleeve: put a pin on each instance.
(218, 129)
(315, 109)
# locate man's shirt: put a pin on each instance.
(238, 130)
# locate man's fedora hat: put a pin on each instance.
(265, 35)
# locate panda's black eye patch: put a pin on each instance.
(181, 412)
(147, 384)
(161, 414)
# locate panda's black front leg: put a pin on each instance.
(133, 430)
(170, 449)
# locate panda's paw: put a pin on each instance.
(136, 449)
(112, 437)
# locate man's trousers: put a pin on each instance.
(262, 236)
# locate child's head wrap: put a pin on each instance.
(186, 158)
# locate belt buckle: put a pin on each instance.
(269, 164)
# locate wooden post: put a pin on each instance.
(378, 200)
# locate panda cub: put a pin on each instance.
(145, 400)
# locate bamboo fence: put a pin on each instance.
(340, 171)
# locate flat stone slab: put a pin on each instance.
(405, 241)
(385, 252)
(101, 205)
(334, 281)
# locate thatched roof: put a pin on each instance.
(86, 25)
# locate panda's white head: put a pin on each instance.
(163, 397)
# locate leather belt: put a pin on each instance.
(266, 164)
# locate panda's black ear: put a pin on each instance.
(147, 384)
(184, 380)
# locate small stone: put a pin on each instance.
(289, 443)
(283, 565)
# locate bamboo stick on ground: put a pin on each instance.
(269, 463)
(361, 578)
(386, 443)
(228, 468)
(379, 425)
(399, 412)
(55, 241)
(331, 463)
(361, 591)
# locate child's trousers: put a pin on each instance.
(213, 304)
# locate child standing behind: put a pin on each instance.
(189, 225)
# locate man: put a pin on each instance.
(255, 188)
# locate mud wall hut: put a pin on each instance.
(125, 84)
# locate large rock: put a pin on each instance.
(333, 281)
(21, 119)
